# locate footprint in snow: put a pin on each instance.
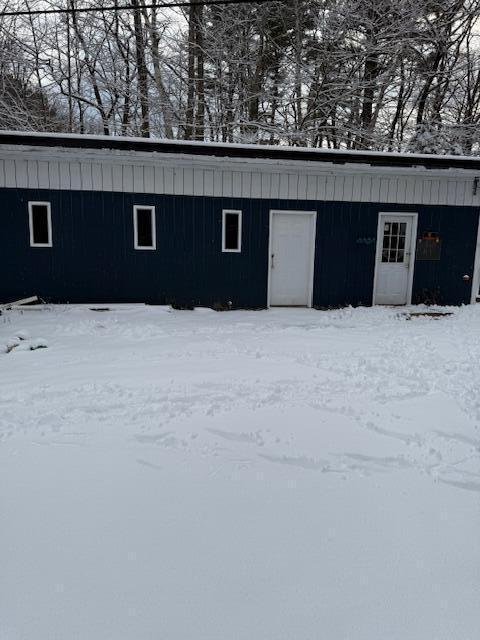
(253, 438)
(303, 462)
(150, 465)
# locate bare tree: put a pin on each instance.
(355, 74)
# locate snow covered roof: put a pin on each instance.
(245, 151)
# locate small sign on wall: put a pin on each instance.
(366, 241)
(429, 246)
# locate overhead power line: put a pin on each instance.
(164, 5)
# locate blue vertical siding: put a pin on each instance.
(345, 255)
(93, 259)
(457, 227)
(344, 266)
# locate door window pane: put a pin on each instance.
(394, 234)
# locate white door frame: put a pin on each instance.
(413, 241)
(313, 215)
(476, 269)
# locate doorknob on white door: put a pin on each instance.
(272, 263)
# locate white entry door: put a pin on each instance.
(292, 251)
(395, 258)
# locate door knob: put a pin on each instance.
(272, 263)
(466, 277)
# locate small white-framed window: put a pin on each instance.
(40, 224)
(144, 234)
(231, 230)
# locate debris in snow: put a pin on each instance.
(22, 343)
(38, 343)
(17, 303)
(22, 346)
(11, 344)
(222, 306)
(203, 310)
(436, 315)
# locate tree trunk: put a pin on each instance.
(199, 133)
(190, 111)
(166, 105)
(141, 70)
(372, 69)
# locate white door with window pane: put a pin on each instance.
(292, 250)
(394, 258)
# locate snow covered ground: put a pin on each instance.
(274, 475)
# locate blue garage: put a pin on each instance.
(104, 219)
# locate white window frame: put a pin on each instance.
(239, 236)
(153, 246)
(31, 204)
